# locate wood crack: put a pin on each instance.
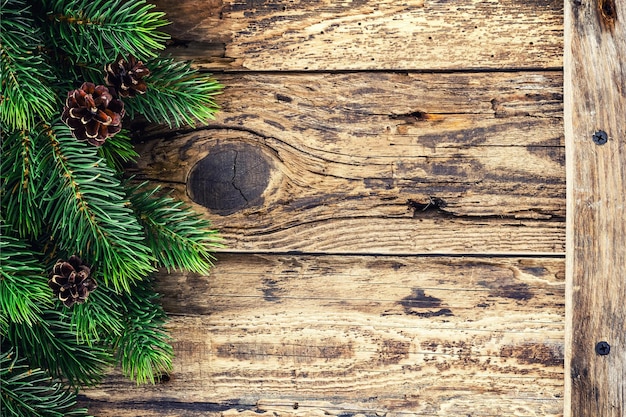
(234, 182)
(438, 206)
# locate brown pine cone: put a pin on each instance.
(70, 281)
(92, 113)
(126, 76)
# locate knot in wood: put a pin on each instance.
(607, 13)
(231, 178)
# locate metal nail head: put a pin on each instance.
(600, 137)
(603, 348)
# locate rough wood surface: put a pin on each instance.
(596, 101)
(358, 335)
(377, 163)
(389, 180)
(367, 35)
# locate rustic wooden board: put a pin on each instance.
(596, 101)
(376, 163)
(358, 335)
(378, 170)
(367, 35)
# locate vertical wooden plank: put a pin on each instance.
(595, 130)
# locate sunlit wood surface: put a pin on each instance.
(389, 178)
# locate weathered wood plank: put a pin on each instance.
(364, 35)
(343, 335)
(377, 163)
(595, 63)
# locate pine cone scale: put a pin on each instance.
(77, 113)
(102, 117)
(92, 129)
(63, 268)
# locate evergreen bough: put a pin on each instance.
(68, 209)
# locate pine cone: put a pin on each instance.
(70, 281)
(126, 76)
(92, 113)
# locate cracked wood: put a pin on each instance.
(342, 334)
(384, 34)
(342, 155)
(351, 158)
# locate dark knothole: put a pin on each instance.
(231, 178)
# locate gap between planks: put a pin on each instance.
(499, 255)
(461, 71)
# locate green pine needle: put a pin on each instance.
(26, 392)
(25, 93)
(177, 95)
(117, 151)
(22, 177)
(90, 215)
(105, 28)
(98, 319)
(51, 345)
(143, 350)
(23, 285)
(178, 237)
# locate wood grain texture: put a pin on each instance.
(357, 335)
(376, 163)
(366, 35)
(377, 171)
(596, 100)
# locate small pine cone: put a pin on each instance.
(92, 113)
(70, 281)
(126, 76)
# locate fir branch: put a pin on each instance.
(62, 197)
(117, 151)
(20, 188)
(101, 29)
(23, 286)
(98, 319)
(89, 214)
(25, 93)
(143, 350)
(177, 94)
(178, 237)
(51, 345)
(26, 392)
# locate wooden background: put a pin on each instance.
(389, 180)
(595, 104)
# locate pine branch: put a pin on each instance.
(63, 197)
(21, 177)
(101, 29)
(97, 320)
(26, 77)
(51, 345)
(28, 392)
(178, 237)
(143, 350)
(89, 213)
(117, 151)
(177, 94)
(23, 285)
